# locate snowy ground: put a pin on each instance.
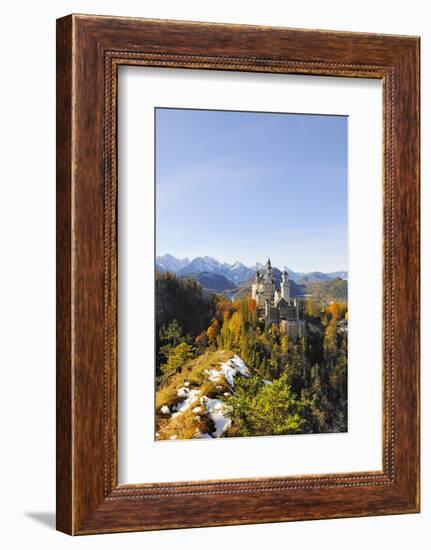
(229, 370)
(217, 409)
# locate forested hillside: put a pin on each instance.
(221, 372)
(334, 290)
(180, 302)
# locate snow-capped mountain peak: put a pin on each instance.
(167, 262)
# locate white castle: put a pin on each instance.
(275, 305)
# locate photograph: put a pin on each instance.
(251, 274)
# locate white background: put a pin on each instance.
(141, 458)
(27, 123)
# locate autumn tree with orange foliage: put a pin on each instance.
(213, 331)
(251, 306)
(336, 310)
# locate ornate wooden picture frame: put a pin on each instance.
(89, 51)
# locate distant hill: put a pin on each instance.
(339, 275)
(314, 276)
(181, 300)
(334, 290)
(212, 281)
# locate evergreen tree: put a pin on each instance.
(266, 409)
(178, 356)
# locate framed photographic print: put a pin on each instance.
(237, 274)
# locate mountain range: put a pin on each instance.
(236, 273)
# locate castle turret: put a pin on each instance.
(255, 286)
(268, 284)
(269, 267)
(284, 286)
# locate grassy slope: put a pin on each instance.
(185, 425)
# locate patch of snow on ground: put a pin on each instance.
(165, 410)
(229, 370)
(182, 392)
(213, 375)
(234, 366)
(241, 366)
(191, 396)
(215, 409)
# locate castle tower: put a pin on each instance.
(269, 267)
(255, 286)
(268, 285)
(284, 286)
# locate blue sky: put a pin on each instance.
(248, 186)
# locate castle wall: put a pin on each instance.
(293, 329)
